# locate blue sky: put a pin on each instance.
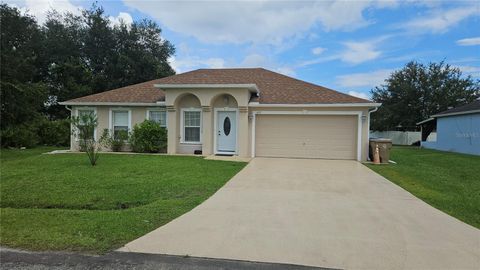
(350, 46)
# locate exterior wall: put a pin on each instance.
(458, 133)
(207, 100)
(364, 123)
(138, 115)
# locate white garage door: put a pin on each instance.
(306, 136)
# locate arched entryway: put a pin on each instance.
(189, 125)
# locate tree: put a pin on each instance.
(83, 128)
(87, 54)
(70, 56)
(23, 94)
(66, 74)
(418, 91)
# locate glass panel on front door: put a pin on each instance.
(226, 132)
(226, 126)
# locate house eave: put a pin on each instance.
(314, 105)
(132, 104)
(455, 113)
(425, 121)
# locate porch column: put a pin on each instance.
(207, 130)
(172, 130)
(243, 131)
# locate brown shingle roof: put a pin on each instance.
(274, 88)
(137, 93)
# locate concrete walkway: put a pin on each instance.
(336, 214)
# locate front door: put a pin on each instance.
(226, 132)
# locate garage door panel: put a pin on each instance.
(306, 136)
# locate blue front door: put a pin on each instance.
(226, 132)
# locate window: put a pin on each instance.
(159, 117)
(120, 123)
(191, 126)
(83, 113)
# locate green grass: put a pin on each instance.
(448, 181)
(60, 202)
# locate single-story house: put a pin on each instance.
(458, 129)
(241, 111)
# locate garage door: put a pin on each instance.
(306, 136)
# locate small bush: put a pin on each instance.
(148, 137)
(115, 143)
(54, 132)
(24, 135)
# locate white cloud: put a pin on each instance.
(40, 8)
(122, 17)
(257, 60)
(254, 60)
(358, 94)
(358, 52)
(469, 41)
(440, 21)
(286, 71)
(470, 70)
(318, 50)
(193, 62)
(367, 79)
(269, 22)
(354, 52)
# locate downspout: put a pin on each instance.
(368, 127)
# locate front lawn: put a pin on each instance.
(447, 181)
(60, 202)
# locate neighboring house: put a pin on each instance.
(245, 111)
(458, 129)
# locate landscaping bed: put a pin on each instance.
(61, 202)
(448, 181)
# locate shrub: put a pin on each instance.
(23, 135)
(148, 137)
(84, 128)
(39, 130)
(115, 143)
(54, 132)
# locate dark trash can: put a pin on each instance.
(384, 146)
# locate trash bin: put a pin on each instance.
(384, 146)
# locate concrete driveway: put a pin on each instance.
(326, 213)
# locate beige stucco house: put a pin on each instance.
(245, 111)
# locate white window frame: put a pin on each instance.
(110, 118)
(77, 113)
(182, 123)
(147, 116)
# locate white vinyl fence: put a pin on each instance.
(398, 137)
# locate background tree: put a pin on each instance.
(22, 91)
(88, 54)
(418, 91)
(67, 57)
